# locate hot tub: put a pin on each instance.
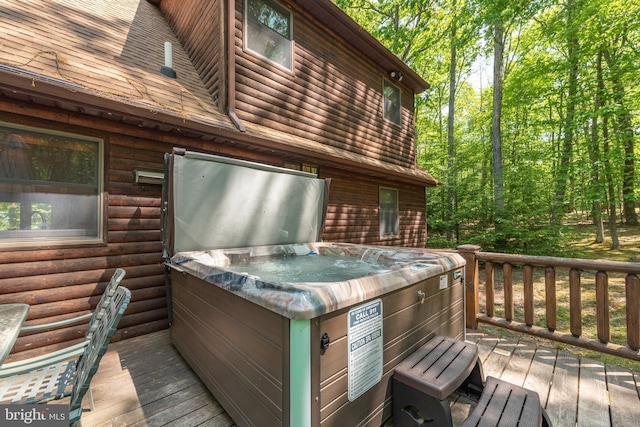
(298, 332)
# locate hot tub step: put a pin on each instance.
(505, 404)
(423, 381)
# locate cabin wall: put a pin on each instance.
(63, 281)
(198, 24)
(353, 210)
(333, 96)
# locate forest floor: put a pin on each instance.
(583, 240)
(580, 238)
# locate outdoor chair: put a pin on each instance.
(71, 351)
(68, 378)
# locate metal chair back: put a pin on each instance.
(107, 296)
(89, 361)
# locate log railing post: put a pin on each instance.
(632, 285)
(602, 307)
(468, 252)
(507, 284)
(575, 303)
(550, 297)
(529, 306)
(489, 291)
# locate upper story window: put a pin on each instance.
(302, 167)
(389, 212)
(391, 107)
(268, 31)
(50, 187)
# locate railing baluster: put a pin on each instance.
(550, 297)
(489, 289)
(602, 269)
(575, 303)
(632, 290)
(602, 306)
(527, 281)
(507, 277)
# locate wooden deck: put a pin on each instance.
(144, 381)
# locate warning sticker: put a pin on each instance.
(365, 348)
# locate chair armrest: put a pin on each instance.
(53, 325)
(37, 362)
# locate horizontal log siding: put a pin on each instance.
(197, 25)
(61, 282)
(333, 97)
(352, 214)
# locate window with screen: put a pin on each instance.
(268, 31)
(389, 220)
(50, 186)
(391, 107)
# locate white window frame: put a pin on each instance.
(43, 233)
(386, 215)
(247, 43)
(392, 116)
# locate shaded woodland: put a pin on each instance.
(531, 117)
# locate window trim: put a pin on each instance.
(245, 35)
(396, 230)
(386, 82)
(38, 238)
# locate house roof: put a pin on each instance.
(103, 58)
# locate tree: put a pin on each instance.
(560, 135)
(573, 52)
(451, 151)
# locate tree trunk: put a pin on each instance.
(567, 146)
(594, 156)
(496, 137)
(451, 177)
(613, 216)
(625, 129)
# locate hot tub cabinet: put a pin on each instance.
(294, 351)
(285, 360)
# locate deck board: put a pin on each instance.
(593, 407)
(518, 365)
(562, 404)
(143, 381)
(623, 393)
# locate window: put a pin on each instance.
(391, 108)
(389, 221)
(268, 31)
(50, 186)
(302, 167)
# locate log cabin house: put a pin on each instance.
(91, 98)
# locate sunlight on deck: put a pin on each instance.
(145, 381)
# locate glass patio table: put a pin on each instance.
(12, 316)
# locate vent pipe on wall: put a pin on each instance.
(167, 68)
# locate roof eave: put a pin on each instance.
(151, 116)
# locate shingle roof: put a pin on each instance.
(113, 49)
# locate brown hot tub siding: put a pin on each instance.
(238, 349)
(407, 325)
(241, 351)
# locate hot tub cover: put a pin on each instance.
(217, 202)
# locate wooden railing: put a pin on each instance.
(519, 314)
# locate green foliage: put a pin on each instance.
(535, 105)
